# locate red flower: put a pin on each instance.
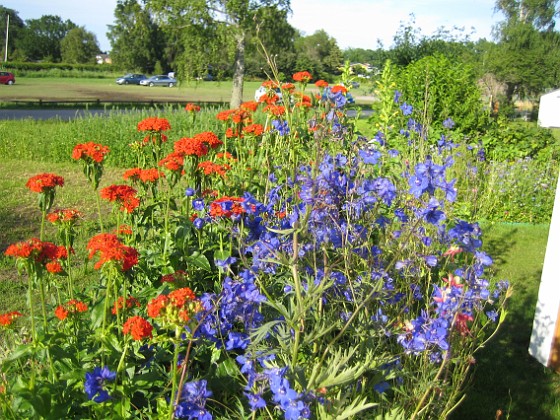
(43, 182)
(276, 110)
(179, 275)
(60, 216)
(143, 175)
(123, 195)
(225, 115)
(302, 76)
(192, 108)
(250, 106)
(191, 147)
(90, 152)
(8, 318)
(154, 124)
(226, 156)
(339, 88)
(270, 84)
(321, 83)
(209, 138)
(227, 207)
(109, 248)
(37, 251)
(138, 328)
(124, 230)
(121, 304)
(210, 168)
(69, 308)
(173, 162)
(289, 87)
(254, 129)
(177, 307)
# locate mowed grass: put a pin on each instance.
(105, 89)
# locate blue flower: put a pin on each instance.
(95, 382)
(281, 127)
(198, 204)
(448, 123)
(406, 108)
(189, 192)
(193, 401)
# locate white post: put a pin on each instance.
(545, 338)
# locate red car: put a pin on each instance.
(7, 78)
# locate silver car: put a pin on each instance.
(159, 80)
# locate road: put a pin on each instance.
(46, 114)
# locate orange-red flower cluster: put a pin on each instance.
(339, 88)
(121, 304)
(124, 230)
(253, 129)
(192, 108)
(188, 146)
(288, 87)
(174, 162)
(138, 328)
(177, 276)
(8, 318)
(110, 248)
(124, 195)
(209, 138)
(321, 83)
(302, 100)
(270, 84)
(226, 156)
(276, 110)
(143, 175)
(250, 106)
(43, 182)
(60, 216)
(227, 207)
(154, 124)
(90, 151)
(208, 168)
(177, 307)
(45, 253)
(302, 76)
(69, 308)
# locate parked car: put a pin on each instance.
(7, 78)
(131, 79)
(159, 80)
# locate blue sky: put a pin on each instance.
(353, 23)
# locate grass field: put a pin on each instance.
(106, 90)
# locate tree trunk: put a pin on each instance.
(239, 70)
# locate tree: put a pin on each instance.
(41, 38)
(318, 54)
(526, 58)
(209, 30)
(14, 31)
(136, 41)
(79, 46)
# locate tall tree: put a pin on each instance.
(15, 28)
(208, 29)
(136, 41)
(319, 54)
(41, 37)
(526, 57)
(79, 46)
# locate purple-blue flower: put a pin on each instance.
(94, 384)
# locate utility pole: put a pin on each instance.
(7, 30)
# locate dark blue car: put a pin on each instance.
(131, 79)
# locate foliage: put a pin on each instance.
(41, 38)
(284, 269)
(136, 41)
(79, 46)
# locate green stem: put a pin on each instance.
(174, 392)
(98, 202)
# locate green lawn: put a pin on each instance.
(506, 377)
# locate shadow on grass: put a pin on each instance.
(508, 382)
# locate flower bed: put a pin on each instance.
(285, 267)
